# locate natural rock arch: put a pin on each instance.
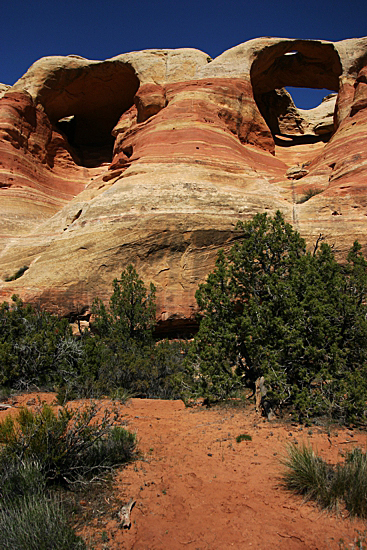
(302, 63)
(299, 63)
(96, 97)
(192, 155)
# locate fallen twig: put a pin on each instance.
(290, 537)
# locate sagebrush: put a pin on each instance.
(69, 445)
(42, 449)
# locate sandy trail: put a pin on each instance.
(197, 488)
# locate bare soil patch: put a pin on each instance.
(195, 487)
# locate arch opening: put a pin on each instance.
(307, 98)
(87, 103)
(297, 65)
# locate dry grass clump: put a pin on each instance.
(329, 485)
(36, 523)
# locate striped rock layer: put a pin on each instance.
(151, 157)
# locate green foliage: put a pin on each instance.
(243, 437)
(35, 346)
(17, 274)
(148, 370)
(309, 194)
(121, 395)
(39, 449)
(272, 309)
(307, 474)
(29, 517)
(131, 312)
(68, 445)
(351, 477)
(38, 349)
(36, 523)
(121, 354)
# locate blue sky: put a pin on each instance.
(96, 29)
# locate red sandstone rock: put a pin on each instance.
(32, 186)
(151, 157)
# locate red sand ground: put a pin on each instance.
(197, 488)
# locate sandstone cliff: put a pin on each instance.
(151, 157)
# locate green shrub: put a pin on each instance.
(36, 348)
(270, 308)
(69, 445)
(17, 274)
(130, 315)
(309, 194)
(307, 474)
(121, 395)
(39, 449)
(120, 354)
(150, 372)
(243, 437)
(112, 365)
(36, 523)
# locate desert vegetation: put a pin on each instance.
(42, 450)
(331, 486)
(312, 192)
(118, 357)
(273, 309)
(270, 310)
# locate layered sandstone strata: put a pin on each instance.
(151, 157)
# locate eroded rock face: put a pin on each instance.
(38, 174)
(285, 119)
(151, 157)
